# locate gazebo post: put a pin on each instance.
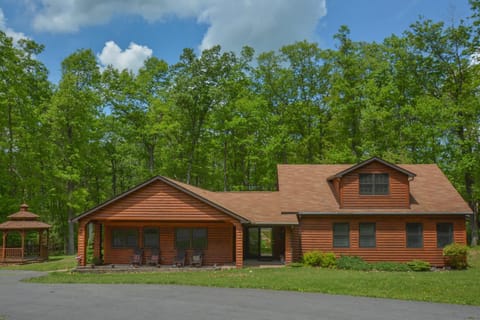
(46, 248)
(40, 233)
(4, 247)
(23, 243)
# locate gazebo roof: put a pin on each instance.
(23, 220)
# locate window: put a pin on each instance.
(444, 234)
(341, 235)
(414, 235)
(367, 235)
(199, 238)
(124, 238)
(151, 238)
(191, 238)
(374, 183)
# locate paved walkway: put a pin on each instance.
(27, 301)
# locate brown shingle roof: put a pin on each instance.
(25, 225)
(305, 188)
(256, 206)
(23, 214)
(23, 220)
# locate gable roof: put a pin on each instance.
(307, 190)
(175, 184)
(366, 162)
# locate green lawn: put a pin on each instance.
(458, 287)
(54, 263)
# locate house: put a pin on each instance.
(374, 209)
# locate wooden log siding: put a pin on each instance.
(317, 234)
(399, 191)
(160, 205)
(219, 242)
(159, 201)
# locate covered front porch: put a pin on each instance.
(222, 243)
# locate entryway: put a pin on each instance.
(265, 243)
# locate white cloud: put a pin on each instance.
(131, 58)
(8, 31)
(262, 24)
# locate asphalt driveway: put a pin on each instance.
(27, 301)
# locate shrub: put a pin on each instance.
(390, 266)
(456, 256)
(419, 265)
(329, 260)
(352, 263)
(312, 258)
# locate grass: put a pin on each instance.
(457, 287)
(54, 263)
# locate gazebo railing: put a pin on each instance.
(13, 253)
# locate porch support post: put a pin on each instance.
(238, 245)
(288, 245)
(97, 245)
(82, 242)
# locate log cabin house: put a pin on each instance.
(376, 210)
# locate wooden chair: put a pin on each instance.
(155, 257)
(197, 258)
(137, 257)
(180, 258)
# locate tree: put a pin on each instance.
(72, 120)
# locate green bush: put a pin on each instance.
(456, 256)
(312, 258)
(390, 266)
(329, 260)
(419, 265)
(352, 263)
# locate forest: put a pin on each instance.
(223, 120)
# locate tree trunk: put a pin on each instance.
(474, 225)
(71, 215)
(225, 165)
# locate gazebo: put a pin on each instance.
(24, 238)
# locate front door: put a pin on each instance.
(260, 242)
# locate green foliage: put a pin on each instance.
(313, 258)
(320, 259)
(419, 265)
(329, 260)
(456, 256)
(352, 263)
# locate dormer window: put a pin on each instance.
(374, 184)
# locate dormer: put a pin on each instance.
(372, 184)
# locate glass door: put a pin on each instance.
(260, 242)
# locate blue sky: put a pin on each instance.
(125, 32)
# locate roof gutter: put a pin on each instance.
(312, 213)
